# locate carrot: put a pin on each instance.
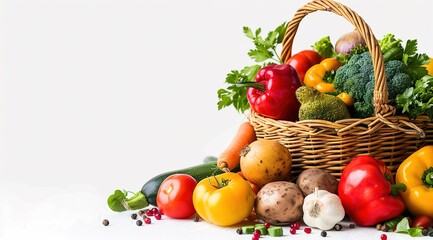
(231, 156)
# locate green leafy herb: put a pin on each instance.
(265, 53)
(417, 100)
(403, 227)
(119, 201)
(415, 61)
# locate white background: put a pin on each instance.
(98, 95)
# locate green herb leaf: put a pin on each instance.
(248, 32)
(414, 61)
(233, 94)
(119, 201)
(265, 53)
(260, 54)
(403, 227)
(417, 100)
(115, 201)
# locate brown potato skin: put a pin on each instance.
(315, 177)
(279, 203)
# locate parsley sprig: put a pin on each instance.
(264, 53)
(414, 61)
(417, 100)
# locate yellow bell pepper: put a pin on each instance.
(318, 75)
(416, 172)
(345, 97)
(429, 67)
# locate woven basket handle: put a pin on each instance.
(380, 95)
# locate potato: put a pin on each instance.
(315, 177)
(264, 161)
(279, 203)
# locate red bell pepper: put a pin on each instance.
(273, 92)
(368, 193)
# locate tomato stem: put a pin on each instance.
(224, 182)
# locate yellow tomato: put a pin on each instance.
(224, 199)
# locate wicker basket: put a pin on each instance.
(331, 145)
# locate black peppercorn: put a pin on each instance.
(323, 233)
(239, 231)
(141, 213)
(105, 222)
(352, 225)
(134, 216)
(196, 218)
(139, 222)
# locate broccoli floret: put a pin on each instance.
(369, 91)
(363, 109)
(396, 78)
(353, 77)
(357, 79)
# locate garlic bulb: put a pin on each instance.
(322, 209)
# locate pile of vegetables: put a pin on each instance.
(251, 179)
(260, 190)
(270, 86)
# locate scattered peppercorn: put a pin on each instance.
(105, 222)
(196, 218)
(139, 222)
(338, 227)
(379, 226)
(352, 225)
(385, 228)
(134, 216)
(430, 233)
(323, 233)
(425, 232)
(239, 231)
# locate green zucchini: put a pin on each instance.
(198, 172)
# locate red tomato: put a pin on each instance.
(302, 61)
(174, 197)
(422, 221)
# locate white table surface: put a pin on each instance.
(77, 212)
(98, 95)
